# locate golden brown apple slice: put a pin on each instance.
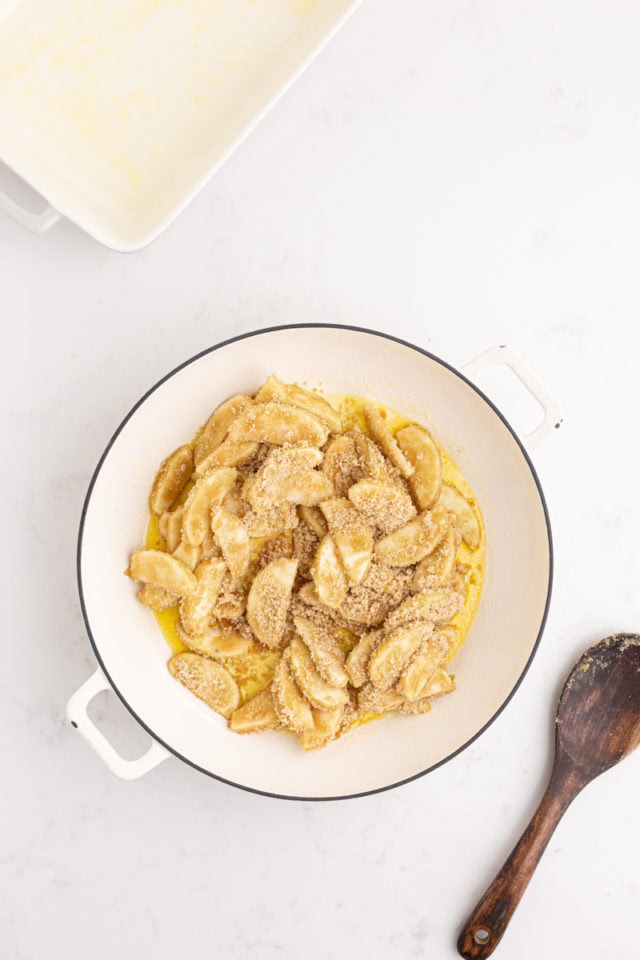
(310, 683)
(228, 454)
(156, 598)
(326, 726)
(207, 679)
(324, 650)
(390, 657)
(423, 665)
(452, 500)
(358, 658)
(216, 428)
(373, 700)
(233, 539)
(265, 488)
(268, 601)
(188, 553)
(341, 463)
(170, 526)
(433, 606)
(213, 643)
(255, 715)
(171, 479)
(372, 463)
(328, 575)
(414, 541)
(422, 452)
(278, 423)
(274, 389)
(209, 492)
(385, 439)
(269, 522)
(196, 610)
(437, 567)
(385, 505)
(162, 570)
(292, 709)
(314, 519)
(352, 536)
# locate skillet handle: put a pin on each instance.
(79, 718)
(505, 356)
(36, 222)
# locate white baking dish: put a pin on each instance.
(133, 653)
(118, 111)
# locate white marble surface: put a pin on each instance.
(459, 173)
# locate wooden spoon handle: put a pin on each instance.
(488, 921)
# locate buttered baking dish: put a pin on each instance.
(119, 112)
(132, 652)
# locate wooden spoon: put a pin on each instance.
(597, 724)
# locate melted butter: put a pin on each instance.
(254, 670)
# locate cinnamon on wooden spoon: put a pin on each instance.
(597, 724)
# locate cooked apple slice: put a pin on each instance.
(268, 601)
(292, 709)
(355, 548)
(265, 488)
(314, 519)
(372, 463)
(326, 726)
(271, 389)
(156, 598)
(373, 700)
(310, 683)
(423, 665)
(231, 601)
(328, 576)
(171, 479)
(308, 488)
(433, 606)
(385, 505)
(216, 428)
(233, 539)
(213, 643)
(414, 541)
(170, 526)
(440, 683)
(255, 715)
(324, 650)
(352, 536)
(207, 679)
(437, 567)
(452, 500)
(341, 463)
(209, 492)
(196, 610)
(385, 439)
(162, 570)
(390, 657)
(274, 389)
(278, 423)
(358, 658)
(422, 452)
(228, 454)
(188, 553)
(267, 523)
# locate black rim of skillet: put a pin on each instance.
(259, 333)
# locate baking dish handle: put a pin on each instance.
(79, 718)
(505, 356)
(36, 222)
